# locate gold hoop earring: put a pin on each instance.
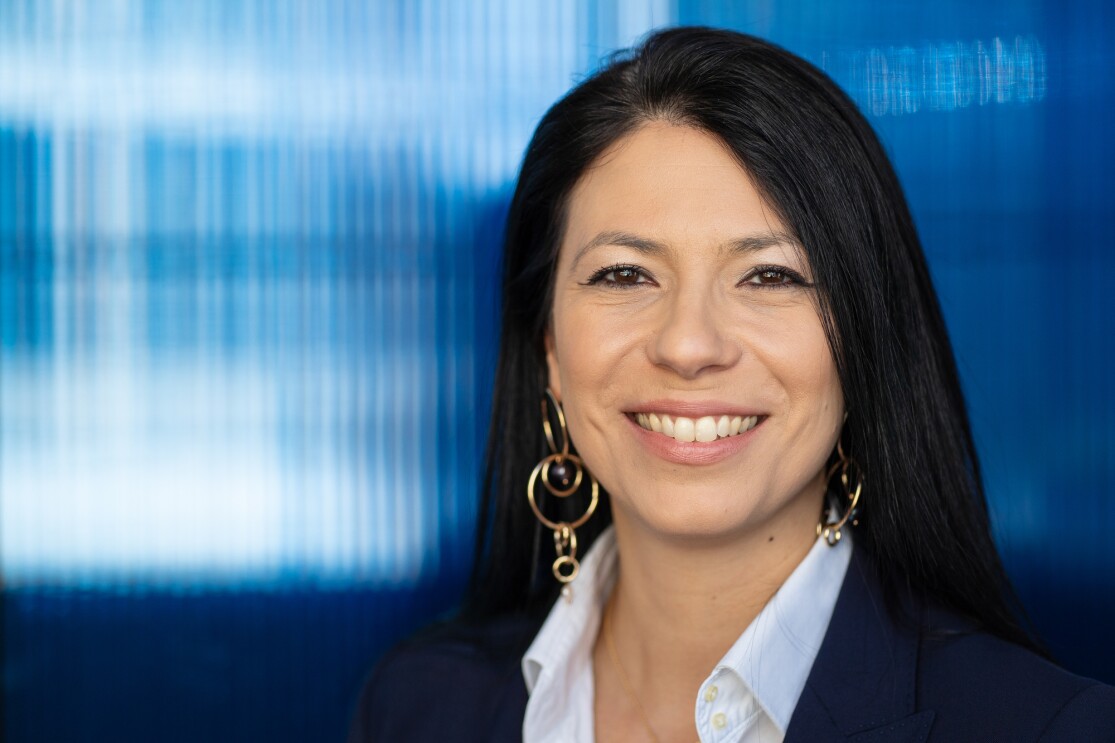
(832, 532)
(556, 471)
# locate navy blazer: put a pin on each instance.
(875, 679)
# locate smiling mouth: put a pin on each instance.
(703, 430)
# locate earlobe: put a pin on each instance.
(552, 368)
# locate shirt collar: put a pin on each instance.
(775, 653)
(772, 657)
(558, 665)
(573, 622)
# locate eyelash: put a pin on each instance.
(795, 279)
(599, 276)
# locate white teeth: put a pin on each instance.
(723, 426)
(704, 429)
(667, 426)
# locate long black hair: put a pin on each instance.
(819, 165)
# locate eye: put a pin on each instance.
(774, 276)
(620, 276)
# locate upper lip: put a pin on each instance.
(693, 408)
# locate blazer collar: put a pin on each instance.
(862, 685)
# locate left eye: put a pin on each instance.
(626, 275)
(619, 277)
(771, 276)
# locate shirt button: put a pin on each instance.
(711, 692)
(719, 721)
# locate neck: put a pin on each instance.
(679, 605)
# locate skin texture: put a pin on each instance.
(694, 317)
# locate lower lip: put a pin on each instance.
(692, 452)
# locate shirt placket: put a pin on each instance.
(725, 708)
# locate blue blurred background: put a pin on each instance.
(248, 256)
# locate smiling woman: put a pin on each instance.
(751, 439)
(709, 317)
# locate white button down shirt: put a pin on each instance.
(748, 697)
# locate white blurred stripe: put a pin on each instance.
(258, 355)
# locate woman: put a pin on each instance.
(751, 477)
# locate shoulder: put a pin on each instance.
(982, 687)
(898, 663)
(451, 682)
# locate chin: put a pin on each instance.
(694, 514)
(719, 513)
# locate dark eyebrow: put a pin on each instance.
(611, 237)
(762, 242)
(645, 245)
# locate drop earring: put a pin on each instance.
(846, 466)
(561, 474)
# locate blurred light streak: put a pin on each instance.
(247, 302)
(944, 76)
(246, 269)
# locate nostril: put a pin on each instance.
(689, 346)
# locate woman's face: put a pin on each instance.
(683, 307)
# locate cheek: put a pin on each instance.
(595, 359)
(821, 378)
(591, 349)
(796, 350)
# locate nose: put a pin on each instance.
(693, 337)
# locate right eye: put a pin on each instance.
(621, 276)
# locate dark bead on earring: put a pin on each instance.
(560, 475)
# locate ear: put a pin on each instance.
(552, 367)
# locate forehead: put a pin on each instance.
(677, 184)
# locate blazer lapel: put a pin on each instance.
(507, 723)
(862, 684)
